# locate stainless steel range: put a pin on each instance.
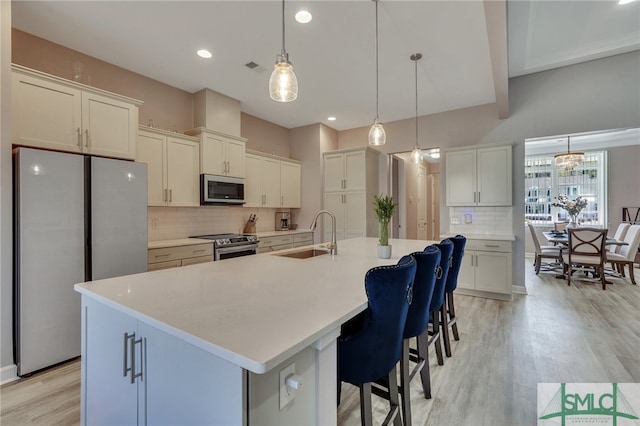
(226, 246)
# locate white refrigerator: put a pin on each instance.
(77, 218)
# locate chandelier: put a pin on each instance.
(569, 160)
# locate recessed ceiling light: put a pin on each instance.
(204, 53)
(304, 16)
(625, 1)
(332, 118)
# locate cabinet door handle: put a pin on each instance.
(79, 138)
(125, 364)
(478, 196)
(170, 195)
(282, 200)
(160, 255)
(492, 245)
(86, 139)
(477, 262)
(198, 251)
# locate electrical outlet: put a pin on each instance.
(455, 221)
(287, 393)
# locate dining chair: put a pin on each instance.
(586, 252)
(627, 253)
(544, 252)
(370, 345)
(448, 310)
(621, 232)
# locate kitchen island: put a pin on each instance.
(206, 344)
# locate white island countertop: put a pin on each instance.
(253, 311)
(491, 237)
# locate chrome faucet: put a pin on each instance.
(333, 245)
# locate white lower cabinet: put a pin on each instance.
(134, 373)
(486, 267)
(285, 241)
(173, 257)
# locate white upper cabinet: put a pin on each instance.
(479, 177)
(220, 154)
(345, 171)
(173, 163)
(53, 113)
(271, 181)
(290, 187)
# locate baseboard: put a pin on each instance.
(519, 289)
(8, 374)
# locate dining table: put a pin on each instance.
(562, 237)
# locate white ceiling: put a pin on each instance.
(334, 56)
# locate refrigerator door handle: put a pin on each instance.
(125, 364)
(132, 346)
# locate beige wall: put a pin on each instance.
(307, 145)
(164, 104)
(265, 136)
(623, 182)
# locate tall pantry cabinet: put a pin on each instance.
(350, 180)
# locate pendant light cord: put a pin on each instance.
(283, 49)
(377, 89)
(416, 75)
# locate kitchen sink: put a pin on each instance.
(303, 254)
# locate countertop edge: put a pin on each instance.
(490, 237)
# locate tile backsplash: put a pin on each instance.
(167, 223)
(482, 220)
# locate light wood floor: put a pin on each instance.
(555, 334)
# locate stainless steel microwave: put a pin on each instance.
(221, 190)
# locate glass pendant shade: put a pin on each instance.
(416, 155)
(377, 135)
(283, 84)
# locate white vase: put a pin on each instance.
(384, 252)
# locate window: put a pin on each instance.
(544, 182)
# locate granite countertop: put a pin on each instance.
(253, 311)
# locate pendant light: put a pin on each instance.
(283, 84)
(377, 135)
(416, 154)
(569, 160)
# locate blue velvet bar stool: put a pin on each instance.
(437, 300)
(370, 345)
(448, 313)
(417, 323)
